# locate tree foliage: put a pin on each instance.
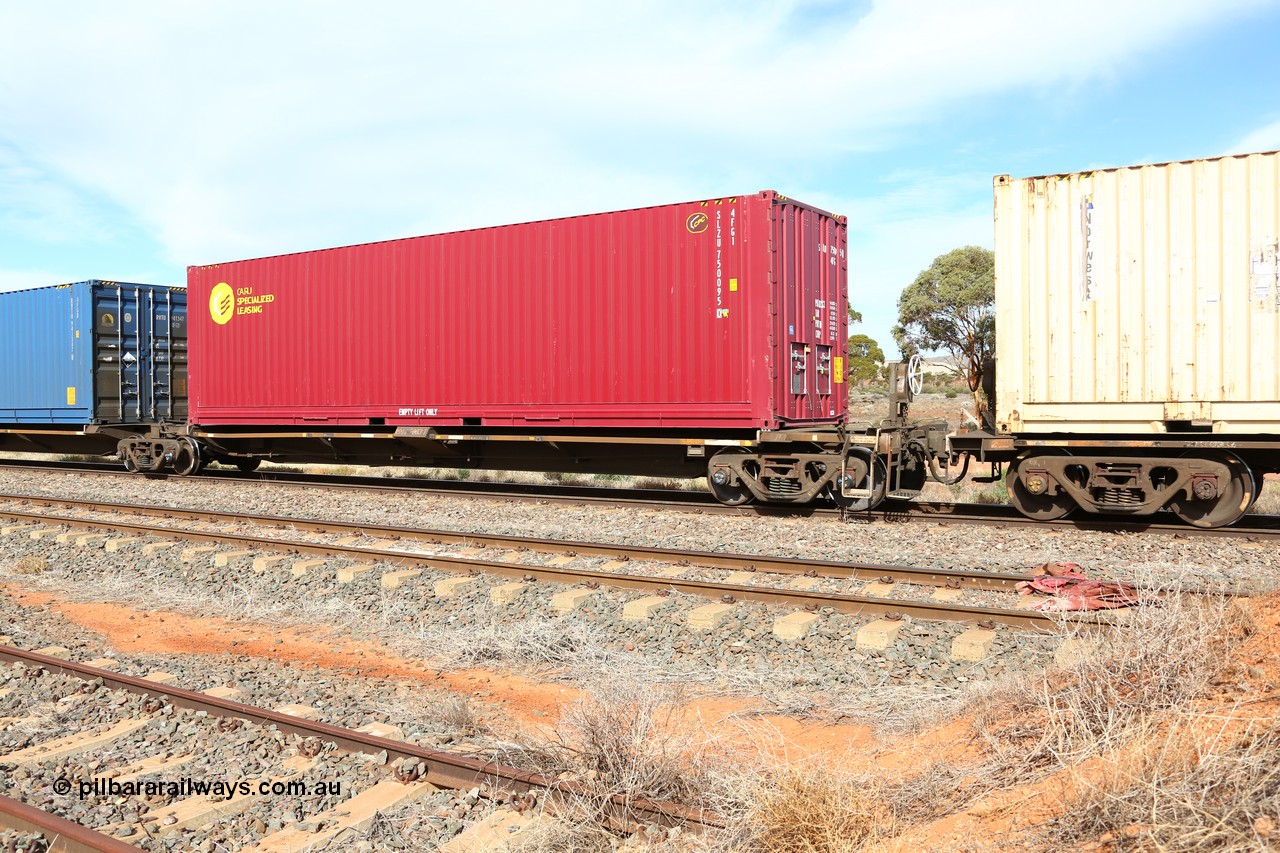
(865, 359)
(951, 307)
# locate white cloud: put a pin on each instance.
(239, 129)
(245, 128)
(36, 207)
(1266, 138)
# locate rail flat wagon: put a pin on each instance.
(705, 337)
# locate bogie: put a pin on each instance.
(1203, 488)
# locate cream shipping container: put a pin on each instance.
(1138, 338)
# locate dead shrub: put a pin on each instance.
(1159, 659)
(1182, 793)
(939, 788)
(630, 742)
(535, 641)
(623, 743)
(816, 811)
(456, 715)
(1268, 502)
(30, 566)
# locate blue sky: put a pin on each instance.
(137, 138)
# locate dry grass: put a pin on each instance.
(450, 715)
(1160, 661)
(816, 808)
(145, 584)
(1182, 791)
(1142, 782)
(817, 811)
(30, 565)
(627, 742)
(535, 642)
(623, 743)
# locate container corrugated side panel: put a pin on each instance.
(46, 373)
(656, 317)
(93, 352)
(1135, 299)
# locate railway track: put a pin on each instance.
(1252, 527)
(751, 578)
(398, 773)
(242, 541)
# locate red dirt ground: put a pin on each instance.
(517, 701)
(521, 702)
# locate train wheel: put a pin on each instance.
(857, 468)
(1041, 507)
(722, 485)
(188, 460)
(1232, 501)
(248, 466)
(129, 464)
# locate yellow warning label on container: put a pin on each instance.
(837, 370)
(71, 395)
(733, 284)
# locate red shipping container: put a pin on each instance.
(725, 314)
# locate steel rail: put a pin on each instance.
(61, 835)
(444, 769)
(803, 599)
(953, 578)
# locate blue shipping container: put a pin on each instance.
(94, 352)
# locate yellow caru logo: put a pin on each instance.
(222, 303)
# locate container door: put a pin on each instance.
(811, 272)
(140, 353)
(165, 361)
(176, 342)
(121, 391)
(114, 379)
